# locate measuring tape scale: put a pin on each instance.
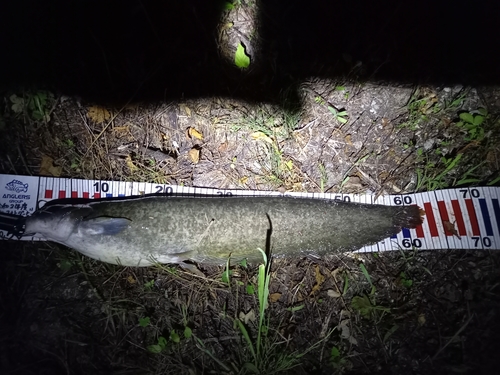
(466, 218)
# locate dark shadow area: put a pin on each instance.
(30, 336)
(113, 51)
(439, 42)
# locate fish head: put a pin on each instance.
(55, 223)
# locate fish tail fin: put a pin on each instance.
(12, 224)
(409, 217)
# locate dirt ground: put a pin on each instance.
(412, 312)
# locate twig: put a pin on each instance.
(306, 126)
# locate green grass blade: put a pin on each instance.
(493, 182)
(365, 272)
(245, 334)
(346, 284)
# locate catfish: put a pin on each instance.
(142, 231)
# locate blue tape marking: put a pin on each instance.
(406, 234)
(496, 208)
(486, 217)
(121, 195)
(109, 195)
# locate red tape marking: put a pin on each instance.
(472, 217)
(430, 219)
(459, 220)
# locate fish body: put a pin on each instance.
(143, 231)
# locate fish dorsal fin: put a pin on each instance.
(109, 226)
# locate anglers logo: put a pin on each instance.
(17, 186)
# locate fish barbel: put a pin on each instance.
(160, 229)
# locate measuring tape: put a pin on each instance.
(467, 218)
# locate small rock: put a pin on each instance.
(428, 144)
(358, 145)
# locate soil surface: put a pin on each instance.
(295, 127)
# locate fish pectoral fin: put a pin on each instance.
(104, 225)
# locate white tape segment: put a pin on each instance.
(466, 218)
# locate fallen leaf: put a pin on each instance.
(274, 297)
(383, 175)
(260, 136)
(345, 331)
(332, 293)
(186, 109)
(348, 139)
(121, 131)
(319, 280)
(421, 211)
(335, 272)
(130, 163)
(222, 147)
(243, 180)
(98, 114)
(345, 312)
(131, 279)
(47, 167)
(449, 228)
(299, 297)
(194, 154)
(491, 157)
(421, 319)
(241, 59)
(17, 103)
(248, 317)
(227, 25)
(193, 133)
(431, 100)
